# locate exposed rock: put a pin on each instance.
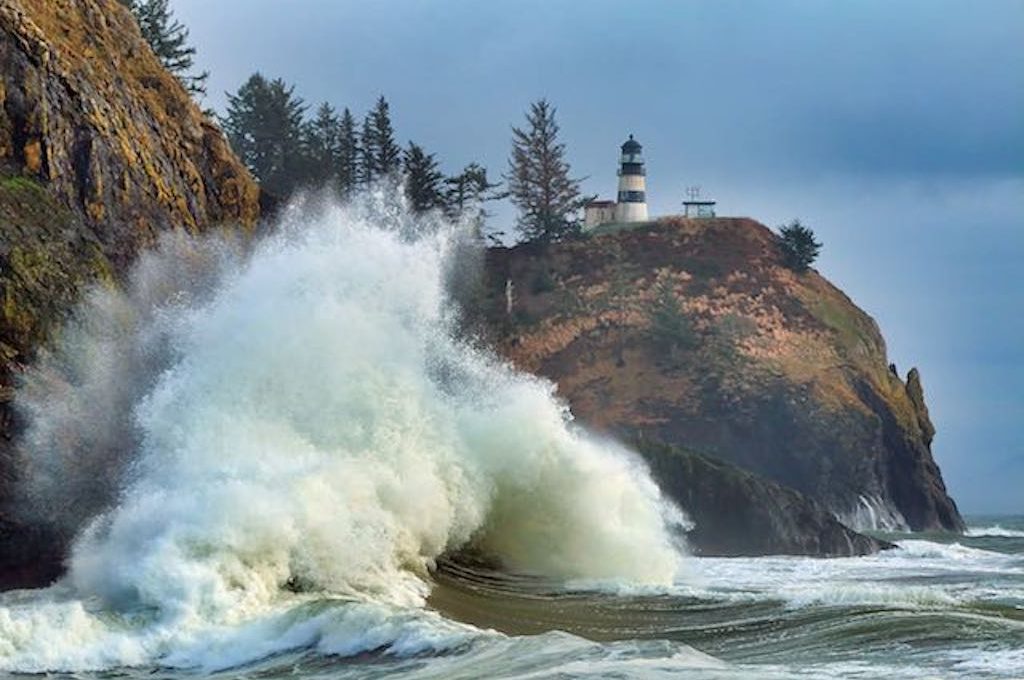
(101, 150)
(691, 332)
(32, 556)
(87, 109)
(736, 512)
(916, 395)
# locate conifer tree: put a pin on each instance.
(468, 191)
(799, 248)
(538, 178)
(347, 162)
(168, 38)
(367, 172)
(322, 142)
(382, 157)
(423, 180)
(469, 188)
(264, 126)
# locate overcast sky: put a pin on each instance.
(894, 129)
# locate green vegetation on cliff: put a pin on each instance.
(46, 257)
(799, 248)
(169, 40)
(267, 125)
(540, 187)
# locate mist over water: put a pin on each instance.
(241, 432)
(79, 398)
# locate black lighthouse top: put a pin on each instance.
(632, 158)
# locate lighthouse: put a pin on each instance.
(632, 203)
(631, 206)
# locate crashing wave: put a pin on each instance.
(995, 531)
(303, 418)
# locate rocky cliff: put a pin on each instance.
(101, 150)
(739, 513)
(691, 332)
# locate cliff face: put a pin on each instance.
(94, 128)
(692, 333)
(87, 109)
(737, 513)
(101, 150)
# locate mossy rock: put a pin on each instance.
(46, 256)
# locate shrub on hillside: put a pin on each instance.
(799, 249)
(670, 326)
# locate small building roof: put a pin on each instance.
(599, 204)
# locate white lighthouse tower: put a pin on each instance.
(632, 203)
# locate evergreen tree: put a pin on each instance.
(347, 162)
(367, 173)
(799, 249)
(168, 38)
(382, 157)
(671, 328)
(469, 188)
(467, 191)
(264, 127)
(322, 142)
(423, 181)
(538, 178)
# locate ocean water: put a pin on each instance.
(289, 462)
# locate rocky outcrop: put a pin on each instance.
(738, 513)
(101, 150)
(692, 333)
(915, 392)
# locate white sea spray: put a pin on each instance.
(302, 417)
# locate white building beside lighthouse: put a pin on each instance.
(631, 203)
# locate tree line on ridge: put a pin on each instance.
(286, 149)
(267, 125)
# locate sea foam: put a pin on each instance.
(995, 531)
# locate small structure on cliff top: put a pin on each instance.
(631, 205)
(695, 207)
